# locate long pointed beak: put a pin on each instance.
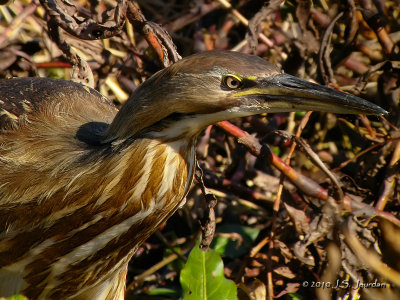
(284, 92)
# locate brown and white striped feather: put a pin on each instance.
(70, 213)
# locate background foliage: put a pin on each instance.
(278, 235)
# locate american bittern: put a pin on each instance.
(82, 184)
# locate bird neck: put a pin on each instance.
(132, 118)
(147, 105)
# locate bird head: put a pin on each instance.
(218, 85)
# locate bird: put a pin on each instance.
(83, 184)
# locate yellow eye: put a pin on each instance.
(232, 81)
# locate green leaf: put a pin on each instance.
(177, 264)
(300, 114)
(162, 292)
(276, 150)
(295, 296)
(228, 247)
(14, 297)
(203, 277)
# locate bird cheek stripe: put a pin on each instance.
(254, 91)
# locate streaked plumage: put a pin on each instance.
(78, 195)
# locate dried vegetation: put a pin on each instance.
(333, 217)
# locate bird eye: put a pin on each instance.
(232, 82)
